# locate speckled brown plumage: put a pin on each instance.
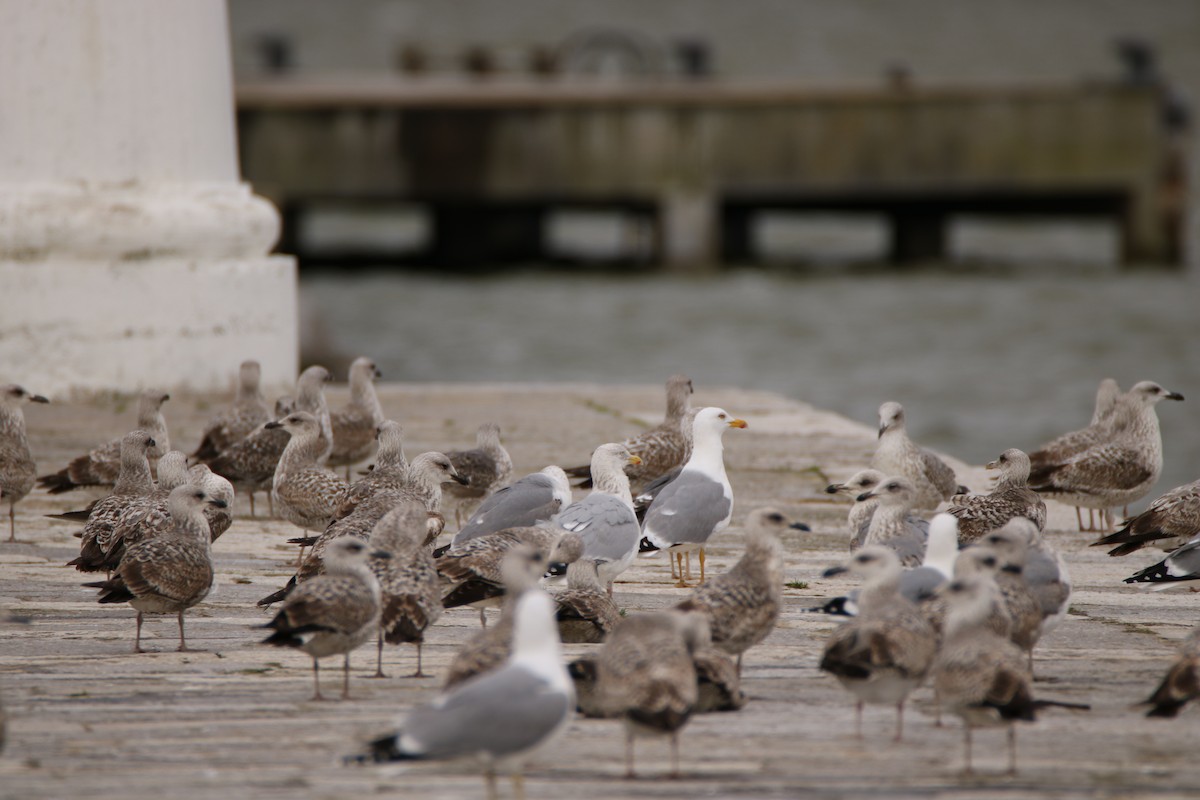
(306, 494)
(897, 455)
(133, 481)
(354, 425)
(1181, 684)
(250, 464)
(473, 571)
(310, 397)
(390, 470)
(1174, 515)
(1010, 497)
(102, 466)
(17, 468)
(145, 515)
(231, 425)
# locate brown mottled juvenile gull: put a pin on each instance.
(1068, 444)
(697, 504)
(411, 593)
(231, 425)
(858, 520)
(974, 561)
(1011, 497)
(219, 519)
(1118, 469)
(485, 467)
(474, 573)
(310, 397)
(333, 613)
(1181, 684)
(605, 519)
(896, 454)
(645, 675)
(1173, 516)
(102, 466)
(500, 718)
(490, 648)
(892, 524)
(661, 448)
(133, 481)
(306, 493)
(743, 604)
(168, 573)
(885, 652)
(17, 468)
(586, 614)
(355, 424)
(250, 464)
(146, 515)
(535, 498)
(979, 676)
(390, 471)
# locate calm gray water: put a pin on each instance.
(980, 362)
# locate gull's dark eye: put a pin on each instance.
(775, 517)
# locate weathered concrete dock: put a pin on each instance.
(90, 719)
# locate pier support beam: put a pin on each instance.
(689, 222)
(131, 254)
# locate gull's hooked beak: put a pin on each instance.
(463, 481)
(218, 503)
(865, 496)
(1173, 396)
(992, 465)
(635, 459)
(37, 398)
(273, 424)
(832, 571)
(737, 423)
(834, 488)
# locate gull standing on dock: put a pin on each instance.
(168, 573)
(1120, 468)
(355, 424)
(333, 613)
(661, 448)
(102, 466)
(585, 613)
(605, 519)
(858, 520)
(896, 454)
(17, 468)
(250, 464)
(485, 468)
(390, 470)
(1175, 515)
(1010, 497)
(979, 676)
(501, 718)
(411, 593)
(310, 397)
(474, 571)
(892, 524)
(743, 604)
(535, 498)
(230, 426)
(645, 675)
(134, 481)
(885, 652)
(697, 504)
(306, 493)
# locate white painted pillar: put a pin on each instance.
(130, 252)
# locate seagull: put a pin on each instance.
(1119, 468)
(1174, 515)
(501, 718)
(585, 614)
(979, 676)
(310, 397)
(742, 605)
(171, 572)
(896, 454)
(102, 466)
(1181, 684)
(697, 504)
(355, 425)
(306, 493)
(486, 467)
(250, 464)
(892, 524)
(535, 498)
(411, 597)
(474, 570)
(147, 515)
(17, 469)
(333, 613)
(1010, 497)
(661, 448)
(390, 470)
(1180, 569)
(645, 675)
(230, 426)
(859, 519)
(885, 652)
(133, 481)
(605, 519)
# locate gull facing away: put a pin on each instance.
(250, 464)
(229, 426)
(17, 468)
(885, 652)
(605, 519)
(310, 397)
(645, 675)
(1181, 684)
(355, 424)
(500, 718)
(1118, 469)
(661, 448)
(389, 473)
(171, 572)
(102, 466)
(697, 504)
(980, 676)
(896, 454)
(535, 498)
(743, 604)
(333, 613)
(1175, 515)
(1010, 497)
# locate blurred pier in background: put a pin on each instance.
(487, 171)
